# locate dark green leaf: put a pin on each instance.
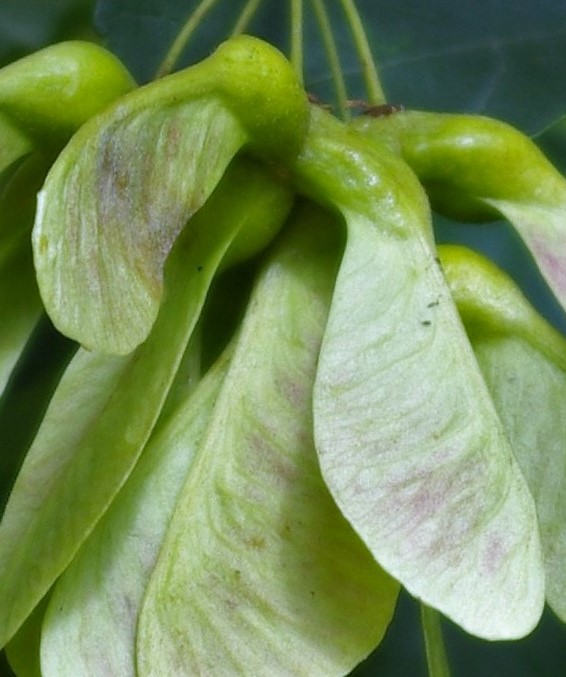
(502, 59)
(27, 25)
(505, 59)
(129, 180)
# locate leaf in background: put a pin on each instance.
(27, 25)
(523, 360)
(46, 500)
(259, 571)
(126, 25)
(409, 441)
(26, 397)
(487, 57)
(552, 141)
(105, 407)
(90, 625)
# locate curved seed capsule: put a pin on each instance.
(123, 189)
(479, 169)
(105, 407)
(44, 98)
(409, 440)
(52, 92)
(255, 530)
(91, 621)
(523, 361)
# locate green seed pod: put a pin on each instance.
(44, 98)
(110, 405)
(409, 441)
(259, 85)
(52, 92)
(137, 173)
(464, 161)
(523, 361)
(479, 169)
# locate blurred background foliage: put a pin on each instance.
(505, 59)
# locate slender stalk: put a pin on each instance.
(297, 37)
(182, 40)
(436, 658)
(246, 16)
(374, 90)
(333, 57)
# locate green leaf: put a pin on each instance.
(26, 397)
(45, 514)
(90, 626)
(523, 360)
(106, 407)
(409, 440)
(259, 571)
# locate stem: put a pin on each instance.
(297, 37)
(333, 58)
(182, 39)
(374, 90)
(246, 16)
(436, 658)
